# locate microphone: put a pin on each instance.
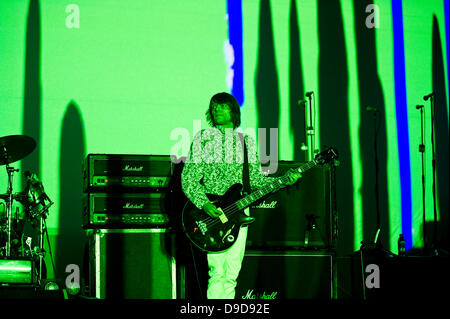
(418, 107)
(301, 102)
(371, 109)
(308, 94)
(426, 97)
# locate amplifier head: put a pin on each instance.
(112, 171)
(124, 209)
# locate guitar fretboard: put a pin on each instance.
(271, 187)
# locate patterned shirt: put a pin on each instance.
(215, 162)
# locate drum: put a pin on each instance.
(17, 227)
(35, 200)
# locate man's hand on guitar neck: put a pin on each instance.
(212, 210)
(293, 177)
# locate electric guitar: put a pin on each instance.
(219, 234)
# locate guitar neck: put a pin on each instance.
(271, 187)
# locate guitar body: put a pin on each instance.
(215, 234)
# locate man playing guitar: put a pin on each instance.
(209, 170)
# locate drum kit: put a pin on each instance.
(29, 207)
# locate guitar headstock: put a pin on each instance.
(326, 156)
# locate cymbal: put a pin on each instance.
(15, 147)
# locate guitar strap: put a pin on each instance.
(245, 173)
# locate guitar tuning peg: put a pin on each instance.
(336, 163)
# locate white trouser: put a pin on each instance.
(224, 268)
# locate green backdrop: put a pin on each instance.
(132, 72)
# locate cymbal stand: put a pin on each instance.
(10, 170)
(42, 230)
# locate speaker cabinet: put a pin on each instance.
(282, 218)
(287, 275)
(132, 264)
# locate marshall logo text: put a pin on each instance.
(264, 205)
(129, 168)
(133, 206)
(251, 295)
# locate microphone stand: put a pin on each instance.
(377, 199)
(422, 150)
(310, 131)
(377, 244)
(433, 152)
(375, 247)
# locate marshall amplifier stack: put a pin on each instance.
(123, 191)
(291, 245)
(126, 209)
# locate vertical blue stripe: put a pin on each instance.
(446, 35)
(234, 8)
(402, 122)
